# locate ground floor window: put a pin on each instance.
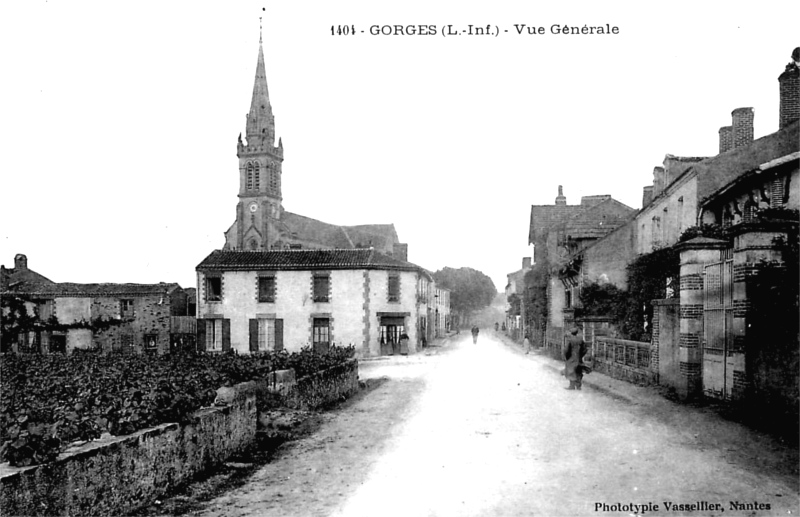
(321, 334)
(214, 334)
(266, 334)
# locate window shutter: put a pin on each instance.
(226, 335)
(201, 335)
(279, 334)
(254, 335)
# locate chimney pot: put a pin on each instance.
(526, 262)
(725, 139)
(20, 261)
(561, 199)
(742, 127)
(789, 85)
(647, 195)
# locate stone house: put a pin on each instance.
(515, 319)
(109, 317)
(442, 311)
(291, 299)
(559, 233)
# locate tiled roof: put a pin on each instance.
(96, 290)
(598, 220)
(303, 260)
(579, 221)
(545, 217)
(714, 174)
(24, 279)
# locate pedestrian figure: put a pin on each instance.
(496, 326)
(404, 343)
(574, 351)
(503, 327)
(475, 331)
(526, 343)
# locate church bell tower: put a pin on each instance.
(259, 209)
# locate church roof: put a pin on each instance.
(279, 260)
(314, 232)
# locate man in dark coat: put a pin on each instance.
(574, 351)
(475, 331)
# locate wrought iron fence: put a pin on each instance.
(635, 354)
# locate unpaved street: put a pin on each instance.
(483, 430)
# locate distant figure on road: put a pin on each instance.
(475, 331)
(503, 326)
(404, 343)
(496, 326)
(526, 344)
(574, 351)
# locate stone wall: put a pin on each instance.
(116, 475)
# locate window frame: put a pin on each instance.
(324, 280)
(266, 293)
(393, 295)
(317, 335)
(209, 278)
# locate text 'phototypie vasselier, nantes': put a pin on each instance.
(486, 30)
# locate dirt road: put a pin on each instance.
(483, 430)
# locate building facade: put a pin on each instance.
(292, 299)
(130, 318)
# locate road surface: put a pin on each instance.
(485, 430)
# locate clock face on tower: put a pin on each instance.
(253, 207)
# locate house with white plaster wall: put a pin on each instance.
(251, 301)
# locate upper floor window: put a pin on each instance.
(394, 287)
(322, 285)
(266, 289)
(126, 308)
(213, 288)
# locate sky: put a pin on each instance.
(119, 121)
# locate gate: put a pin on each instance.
(718, 327)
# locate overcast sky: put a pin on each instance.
(118, 121)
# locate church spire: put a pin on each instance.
(260, 121)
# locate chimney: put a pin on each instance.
(647, 195)
(725, 139)
(742, 127)
(400, 251)
(658, 181)
(789, 82)
(20, 262)
(3, 278)
(561, 200)
(526, 262)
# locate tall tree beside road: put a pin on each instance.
(470, 289)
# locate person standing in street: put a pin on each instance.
(526, 344)
(574, 350)
(475, 331)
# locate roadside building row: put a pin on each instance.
(705, 337)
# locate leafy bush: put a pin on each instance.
(50, 401)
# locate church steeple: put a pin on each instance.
(260, 121)
(259, 209)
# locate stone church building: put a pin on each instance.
(261, 223)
